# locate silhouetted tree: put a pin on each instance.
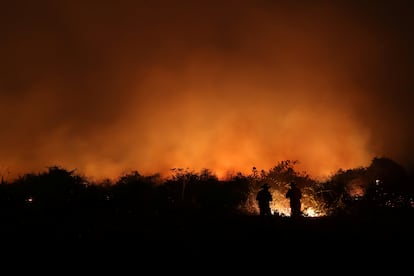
(135, 193)
(54, 188)
(389, 183)
(336, 193)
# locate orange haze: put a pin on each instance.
(222, 85)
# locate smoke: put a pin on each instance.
(106, 87)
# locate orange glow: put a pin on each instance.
(356, 188)
(280, 205)
(106, 89)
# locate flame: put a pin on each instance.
(280, 205)
(311, 212)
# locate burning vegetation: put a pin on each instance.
(384, 184)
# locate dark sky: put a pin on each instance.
(110, 86)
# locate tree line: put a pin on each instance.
(383, 184)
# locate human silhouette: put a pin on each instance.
(294, 194)
(264, 197)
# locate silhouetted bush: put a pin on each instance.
(384, 184)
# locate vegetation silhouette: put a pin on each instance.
(59, 203)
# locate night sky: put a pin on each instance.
(105, 87)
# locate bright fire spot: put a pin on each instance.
(280, 206)
(280, 209)
(29, 199)
(310, 212)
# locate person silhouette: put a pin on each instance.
(264, 197)
(294, 194)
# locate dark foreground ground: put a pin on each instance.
(104, 225)
(206, 238)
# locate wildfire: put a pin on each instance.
(280, 209)
(280, 206)
(311, 212)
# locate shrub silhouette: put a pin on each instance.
(145, 205)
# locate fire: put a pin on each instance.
(280, 205)
(311, 212)
(280, 209)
